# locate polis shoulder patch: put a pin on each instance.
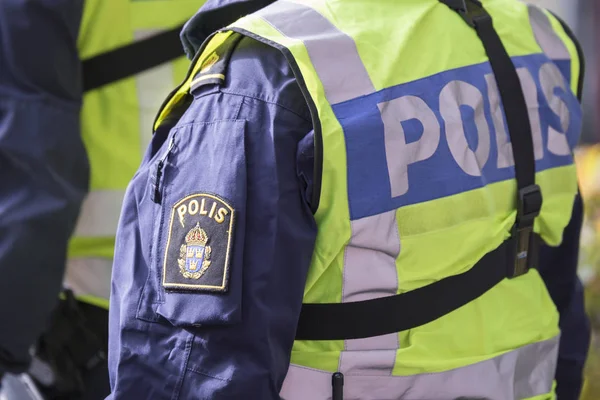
(199, 242)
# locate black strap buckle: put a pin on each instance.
(470, 10)
(526, 247)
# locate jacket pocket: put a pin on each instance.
(195, 271)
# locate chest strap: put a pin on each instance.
(513, 258)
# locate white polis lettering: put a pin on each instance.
(551, 79)
(505, 154)
(400, 154)
(202, 207)
(454, 94)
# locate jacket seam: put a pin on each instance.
(197, 371)
(188, 351)
(261, 98)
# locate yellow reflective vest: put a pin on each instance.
(416, 184)
(116, 126)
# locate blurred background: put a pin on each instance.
(584, 18)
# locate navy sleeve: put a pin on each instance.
(558, 267)
(43, 164)
(209, 274)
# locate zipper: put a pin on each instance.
(157, 198)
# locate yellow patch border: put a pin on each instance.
(229, 233)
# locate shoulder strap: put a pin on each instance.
(529, 196)
(208, 67)
(131, 59)
(514, 257)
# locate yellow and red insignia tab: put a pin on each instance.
(213, 69)
(210, 61)
(199, 242)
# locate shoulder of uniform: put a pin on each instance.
(579, 49)
(211, 65)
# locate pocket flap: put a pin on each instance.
(197, 265)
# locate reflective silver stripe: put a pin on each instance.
(370, 259)
(153, 86)
(546, 36)
(370, 272)
(99, 214)
(332, 52)
(89, 276)
(519, 374)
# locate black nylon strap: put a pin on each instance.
(132, 59)
(355, 320)
(529, 196)
(360, 319)
(511, 93)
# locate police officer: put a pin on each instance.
(54, 149)
(347, 200)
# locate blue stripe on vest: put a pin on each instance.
(437, 176)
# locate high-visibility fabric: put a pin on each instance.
(495, 375)
(117, 125)
(417, 184)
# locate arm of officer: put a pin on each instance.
(43, 165)
(209, 274)
(558, 267)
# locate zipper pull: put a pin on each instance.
(157, 198)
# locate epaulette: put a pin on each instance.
(208, 67)
(214, 65)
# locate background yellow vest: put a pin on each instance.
(117, 127)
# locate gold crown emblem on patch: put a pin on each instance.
(194, 254)
(196, 236)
